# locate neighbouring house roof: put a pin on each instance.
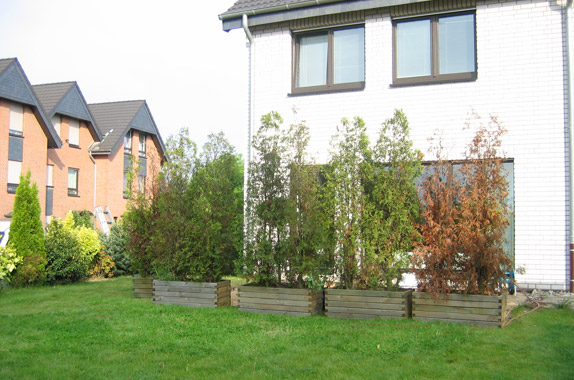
(261, 12)
(115, 119)
(15, 86)
(66, 99)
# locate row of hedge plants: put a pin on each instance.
(189, 228)
(361, 214)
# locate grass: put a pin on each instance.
(98, 331)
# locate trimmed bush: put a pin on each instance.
(66, 262)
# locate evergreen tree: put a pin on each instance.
(27, 235)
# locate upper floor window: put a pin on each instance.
(128, 141)
(74, 133)
(16, 119)
(329, 60)
(56, 122)
(73, 181)
(142, 144)
(435, 49)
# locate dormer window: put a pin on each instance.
(128, 142)
(142, 144)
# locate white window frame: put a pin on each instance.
(16, 119)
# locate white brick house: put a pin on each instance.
(517, 70)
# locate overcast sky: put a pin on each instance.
(172, 53)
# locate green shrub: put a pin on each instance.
(104, 266)
(83, 218)
(8, 261)
(66, 263)
(115, 245)
(27, 235)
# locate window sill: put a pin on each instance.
(317, 90)
(441, 79)
(73, 195)
(74, 146)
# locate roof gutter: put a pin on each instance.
(278, 8)
(92, 145)
(251, 104)
(570, 85)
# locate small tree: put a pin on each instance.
(309, 250)
(464, 218)
(267, 233)
(27, 235)
(346, 198)
(391, 209)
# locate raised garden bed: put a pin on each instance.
(472, 309)
(285, 301)
(367, 304)
(143, 286)
(197, 294)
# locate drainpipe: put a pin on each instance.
(245, 24)
(569, 85)
(95, 176)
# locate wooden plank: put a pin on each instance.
(278, 312)
(476, 323)
(224, 284)
(303, 309)
(192, 304)
(484, 305)
(365, 305)
(364, 299)
(457, 316)
(460, 297)
(260, 289)
(223, 301)
(462, 310)
(358, 316)
(186, 299)
(186, 294)
(268, 301)
(185, 283)
(140, 283)
(139, 295)
(344, 310)
(367, 293)
(186, 289)
(274, 296)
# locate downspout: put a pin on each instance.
(95, 176)
(251, 105)
(569, 85)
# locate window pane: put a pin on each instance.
(456, 44)
(49, 175)
(56, 123)
(16, 117)
(312, 65)
(128, 141)
(74, 135)
(14, 170)
(73, 181)
(413, 48)
(142, 142)
(349, 55)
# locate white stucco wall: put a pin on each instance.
(521, 79)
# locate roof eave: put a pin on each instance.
(263, 16)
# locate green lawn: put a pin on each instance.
(98, 331)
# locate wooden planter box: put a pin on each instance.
(296, 302)
(143, 286)
(366, 304)
(471, 309)
(198, 294)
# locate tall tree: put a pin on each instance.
(27, 235)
